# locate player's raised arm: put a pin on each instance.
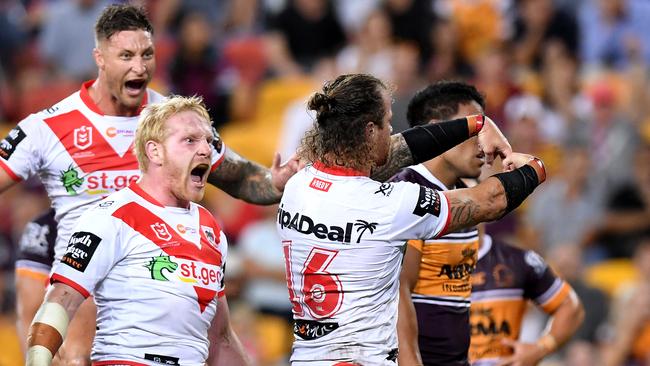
(422, 143)
(50, 324)
(496, 196)
(250, 181)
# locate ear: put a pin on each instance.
(99, 58)
(154, 152)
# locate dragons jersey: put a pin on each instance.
(155, 273)
(79, 154)
(344, 236)
(442, 293)
(505, 278)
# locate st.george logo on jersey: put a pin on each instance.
(160, 229)
(83, 137)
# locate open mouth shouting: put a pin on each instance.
(199, 174)
(135, 87)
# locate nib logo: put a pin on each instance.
(83, 137)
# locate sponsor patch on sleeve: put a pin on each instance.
(8, 144)
(428, 202)
(81, 248)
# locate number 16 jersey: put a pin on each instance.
(344, 236)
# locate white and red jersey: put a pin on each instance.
(155, 273)
(79, 154)
(344, 235)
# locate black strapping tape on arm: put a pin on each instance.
(428, 141)
(518, 184)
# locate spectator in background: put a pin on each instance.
(568, 208)
(539, 22)
(627, 216)
(66, 41)
(196, 67)
(372, 51)
(631, 315)
(609, 27)
(265, 291)
(309, 29)
(567, 260)
(412, 20)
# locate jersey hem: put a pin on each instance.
(10, 172)
(59, 278)
(117, 363)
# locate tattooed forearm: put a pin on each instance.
(464, 213)
(246, 180)
(482, 203)
(398, 157)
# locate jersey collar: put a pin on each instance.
(486, 245)
(90, 103)
(338, 170)
(146, 196)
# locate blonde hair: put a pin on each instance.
(151, 126)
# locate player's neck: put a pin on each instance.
(107, 103)
(441, 170)
(158, 189)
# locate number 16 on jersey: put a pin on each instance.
(314, 288)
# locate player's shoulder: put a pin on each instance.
(66, 105)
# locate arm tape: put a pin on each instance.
(46, 334)
(54, 315)
(518, 184)
(430, 140)
(38, 355)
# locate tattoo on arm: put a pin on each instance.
(471, 206)
(399, 157)
(244, 179)
(464, 213)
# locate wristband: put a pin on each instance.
(475, 124)
(430, 140)
(521, 182)
(38, 355)
(548, 343)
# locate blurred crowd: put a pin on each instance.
(566, 80)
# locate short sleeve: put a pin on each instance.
(421, 213)
(416, 244)
(542, 285)
(93, 250)
(20, 149)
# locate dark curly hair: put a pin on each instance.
(343, 109)
(121, 17)
(440, 101)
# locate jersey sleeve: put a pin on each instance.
(218, 150)
(422, 212)
(542, 285)
(20, 150)
(93, 249)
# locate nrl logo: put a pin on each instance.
(160, 229)
(83, 137)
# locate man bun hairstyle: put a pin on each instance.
(343, 108)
